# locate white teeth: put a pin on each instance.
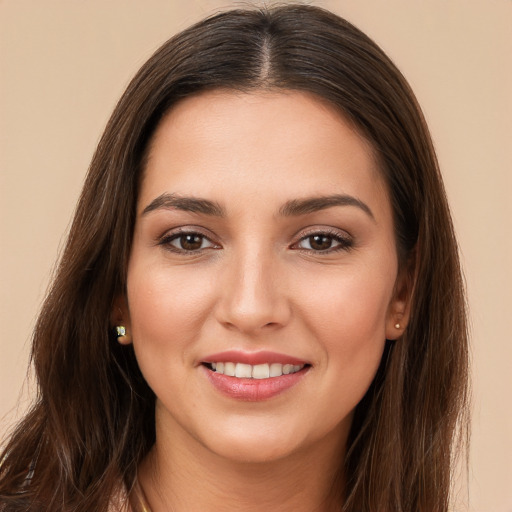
(258, 371)
(276, 370)
(243, 370)
(287, 368)
(229, 369)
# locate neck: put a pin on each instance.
(180, 476)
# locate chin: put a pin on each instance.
(257, 450)
(264, 443)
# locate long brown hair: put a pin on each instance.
(93, 419)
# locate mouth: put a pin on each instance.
(253, 376)
(257, 371)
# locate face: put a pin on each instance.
(261, 282)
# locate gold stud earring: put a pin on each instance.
(120, 331)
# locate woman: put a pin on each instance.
(260, 302)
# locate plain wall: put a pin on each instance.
(64, 63)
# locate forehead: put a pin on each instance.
(279, 144)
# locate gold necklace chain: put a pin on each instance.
(142, 503)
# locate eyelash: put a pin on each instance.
(345, 243)
(166, 242)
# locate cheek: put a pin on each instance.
(352, 305)
(167, 310)
(349, 320)
(167, 313)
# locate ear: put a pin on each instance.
(399, 309)
(120, 318)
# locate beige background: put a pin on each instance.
(64, 63)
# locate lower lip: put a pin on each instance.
(254, 390)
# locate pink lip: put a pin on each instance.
(253, 390)
(252, 358)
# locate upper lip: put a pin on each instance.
(252, 358)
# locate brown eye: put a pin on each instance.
(324, 242)
(187, 242)
(320, 242)
(191, 242)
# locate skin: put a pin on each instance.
(257, 282)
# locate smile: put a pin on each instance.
(257, 371)
(253, 376)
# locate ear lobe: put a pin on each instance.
(120, 320)
(397, 320)
(400, 306)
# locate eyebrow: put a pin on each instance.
(187, 204)
(292, 208)
(307, 205)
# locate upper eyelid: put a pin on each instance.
(326, 230)
(186, 230)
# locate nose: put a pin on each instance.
(253, 295)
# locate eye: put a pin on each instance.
(187, 242)
(324, 242)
